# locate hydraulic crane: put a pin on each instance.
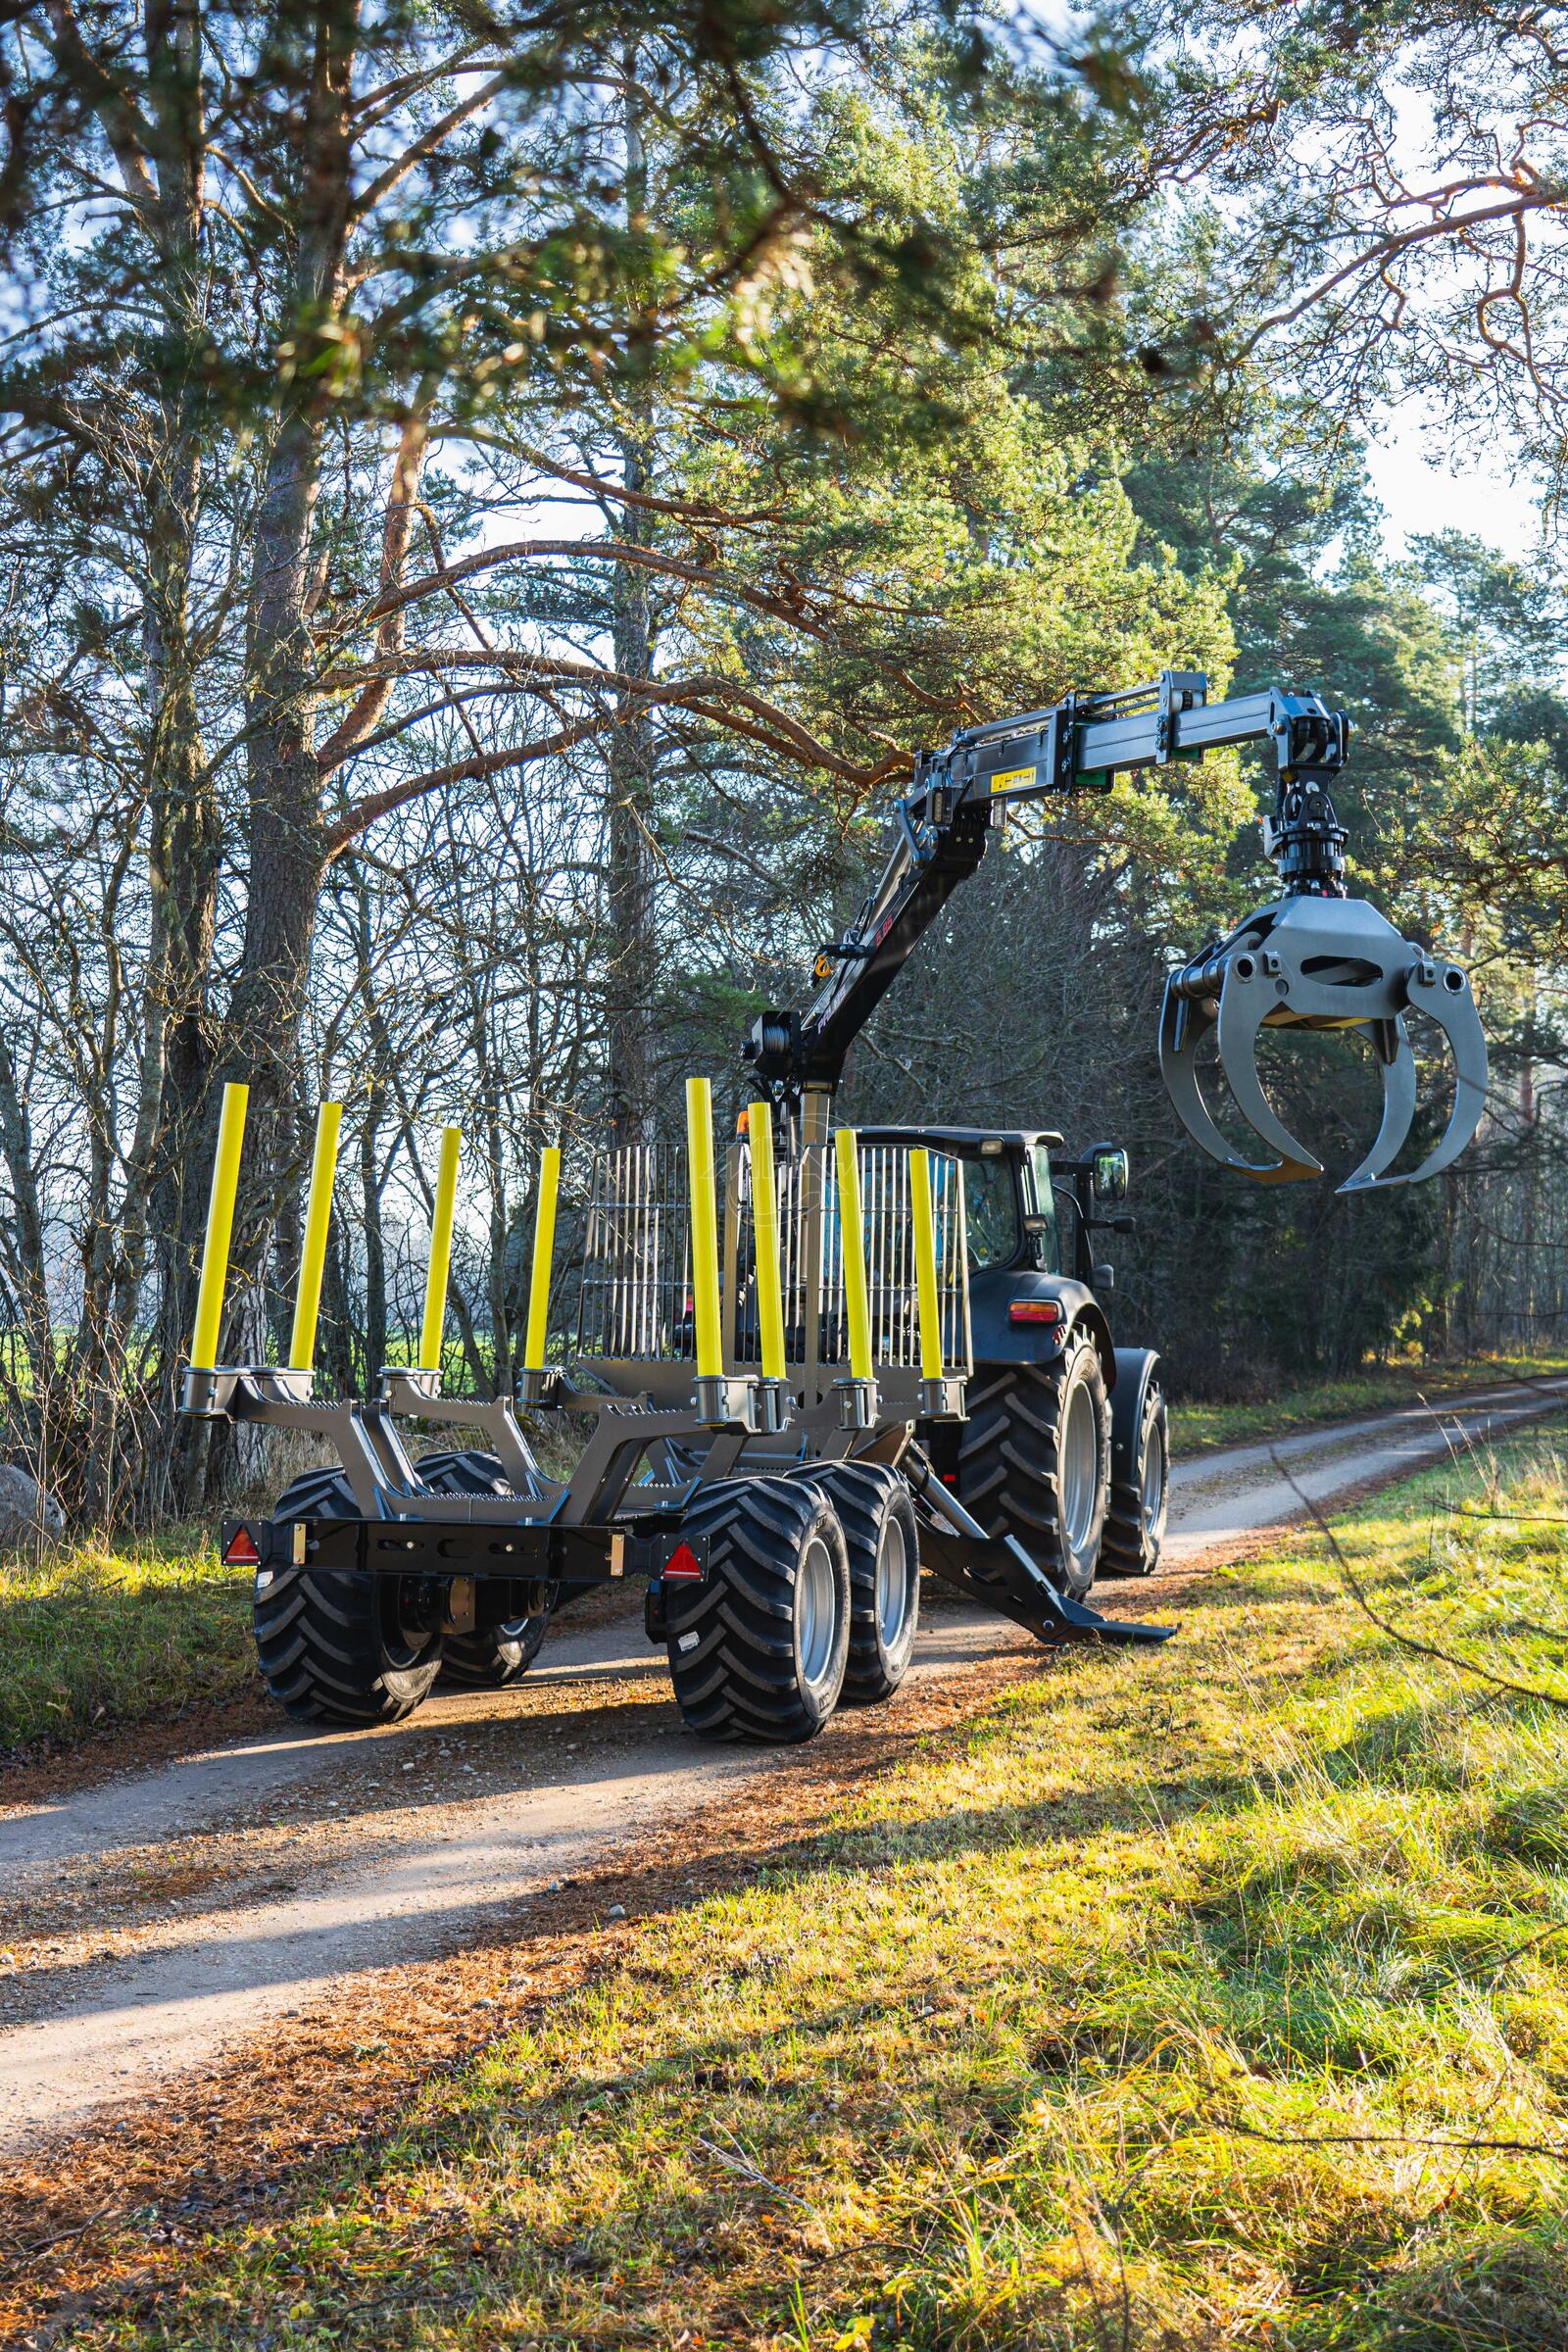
(1313, 958)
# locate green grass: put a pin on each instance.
(105, 1632)
(1201, 1428)
(1211, 1996)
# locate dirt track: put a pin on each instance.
(147, 1924)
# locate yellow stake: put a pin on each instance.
(544, 1250)
(925, 1265)
(219, 1228)
(857, 1304)
(435, 1282)
(313, 1255)
(765, 1233)
(705, 1226)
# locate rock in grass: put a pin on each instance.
(26, 1511)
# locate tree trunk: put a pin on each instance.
(631, 757)
(285, 842)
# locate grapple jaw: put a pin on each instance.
(1317, 960)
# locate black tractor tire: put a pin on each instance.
(332, 1644)
(757, 1651)
(1135, 1523)
(883, 1540)
(1010, 1458)
(492, 1656)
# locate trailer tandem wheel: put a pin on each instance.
(1034, 1459)
(1134, 1522)
(883, 1540)
(757, 1651)
(337, 1645)
(491, 1656)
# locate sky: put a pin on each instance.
(1467, 493)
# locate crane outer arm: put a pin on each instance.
(944, 824)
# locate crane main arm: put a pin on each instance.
(1314, 958)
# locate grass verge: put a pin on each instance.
(1201, 1428)
(98, 1633)
(1206, 1997)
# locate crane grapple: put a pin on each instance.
(1317, 958)
(1319, 964)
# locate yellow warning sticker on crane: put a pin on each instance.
(1014, 779)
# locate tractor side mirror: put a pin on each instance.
(1108, 1172)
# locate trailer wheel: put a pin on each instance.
(757, 1651)
(1135, 1523)
(883, 1541)
(338, 1644)
(1034, 1459)
(492, 1656)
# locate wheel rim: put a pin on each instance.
(1154, 1482)
(1079, 1470)
(815, 1612)
(892, 1585)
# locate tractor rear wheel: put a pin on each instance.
(491, 1656)
(338, 1644)
(1034, 1459)
(883, 1543)
(757, 1651)
(1135, 1523)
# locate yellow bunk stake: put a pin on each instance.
(857, 1302)
(704, 1226)
(219, 1228)
(925, 1265)
(435, 1282)
(764, 1232)
(313, 1254)
(544, 1252)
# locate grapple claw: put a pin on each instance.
(1399, 1105)
(1442, 992)
(1184, 1025)
(1320, 963)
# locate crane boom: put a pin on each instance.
(943, 827)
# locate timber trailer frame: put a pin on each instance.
(779, 1515)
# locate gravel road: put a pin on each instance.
(150, 1922)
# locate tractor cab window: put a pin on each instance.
(1045, 1206)
(991, 1210)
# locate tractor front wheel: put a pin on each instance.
(338, 1644)
(757, 1651)
(1135, 1523)
(1034, 1459)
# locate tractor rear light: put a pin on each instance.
(1035, 1311)
(683, 1561)
(240, 1550)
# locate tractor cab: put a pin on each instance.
(1027, 1212)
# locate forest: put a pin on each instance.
(496, 496)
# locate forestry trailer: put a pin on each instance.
(870, 1351)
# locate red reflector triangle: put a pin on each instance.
(241, 1552)
(683, 1561)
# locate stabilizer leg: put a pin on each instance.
(998, 1571)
